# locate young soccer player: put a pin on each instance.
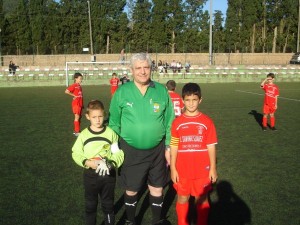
(270, 101)
(175, 97)
(96, 150)
(114, 82)
(125, 78)
(193, 156)
(75, 91)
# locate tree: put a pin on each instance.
(108, 17)
(175, 21)
(141, 26)
(218, 35)
(193, 20)
(159, 36)
(37, 21)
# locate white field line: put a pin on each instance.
(253, 93)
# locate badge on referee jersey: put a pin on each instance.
(156, 107)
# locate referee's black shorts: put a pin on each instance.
(143, 166)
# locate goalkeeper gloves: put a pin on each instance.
(102, 168)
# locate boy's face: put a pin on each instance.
(191, 103)
(96, 117)
(78, 79)
(270, 80)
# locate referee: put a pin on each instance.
(141, 112)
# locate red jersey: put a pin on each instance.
(192, 135)
(271, 92)
(77, 91)
(114, 82)
(177, 102)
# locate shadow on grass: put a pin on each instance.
(229, 208)
(257, 116)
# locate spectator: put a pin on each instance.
(166, 66)
(174, 66)
(179, 66)
(187, 67)
(160, 66)
(12, 68)
(141, 112)
(160, 63)
(125, 78)
(122, 56)
(153, 66)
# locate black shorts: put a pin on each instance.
(143, 166)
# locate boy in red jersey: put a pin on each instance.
(175, 97)
(75, 91)
(114, 82)
(193, 156)
(270, 101)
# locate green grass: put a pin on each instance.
(40, 184)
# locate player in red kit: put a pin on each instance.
(193, 156)
(75, 91)
(270, 101)
(175, 97)
(114, 83)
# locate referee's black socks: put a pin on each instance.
(130, 206)
(156, 204)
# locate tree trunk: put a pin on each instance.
(107, 44)
(274, 41)
(286, 39)
(264, 29)
(173, 42)
(253, 39)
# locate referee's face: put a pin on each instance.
(141, 72)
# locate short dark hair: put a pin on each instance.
(171, 85)
(191, 89)
(76, 75)
(271, 75)
(94, 105)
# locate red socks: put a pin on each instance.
(202, 213)
(272, 121)
(76, 126)
(264, 121)
(182, 213)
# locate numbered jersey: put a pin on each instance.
(177, 103)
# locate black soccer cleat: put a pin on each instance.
(273, 129)
(264, 128)
(127, 222)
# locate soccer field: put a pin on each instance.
(258, 171)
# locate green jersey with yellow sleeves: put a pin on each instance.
(142, 120)
(91, 144)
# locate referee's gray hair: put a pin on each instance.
(140, 57)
